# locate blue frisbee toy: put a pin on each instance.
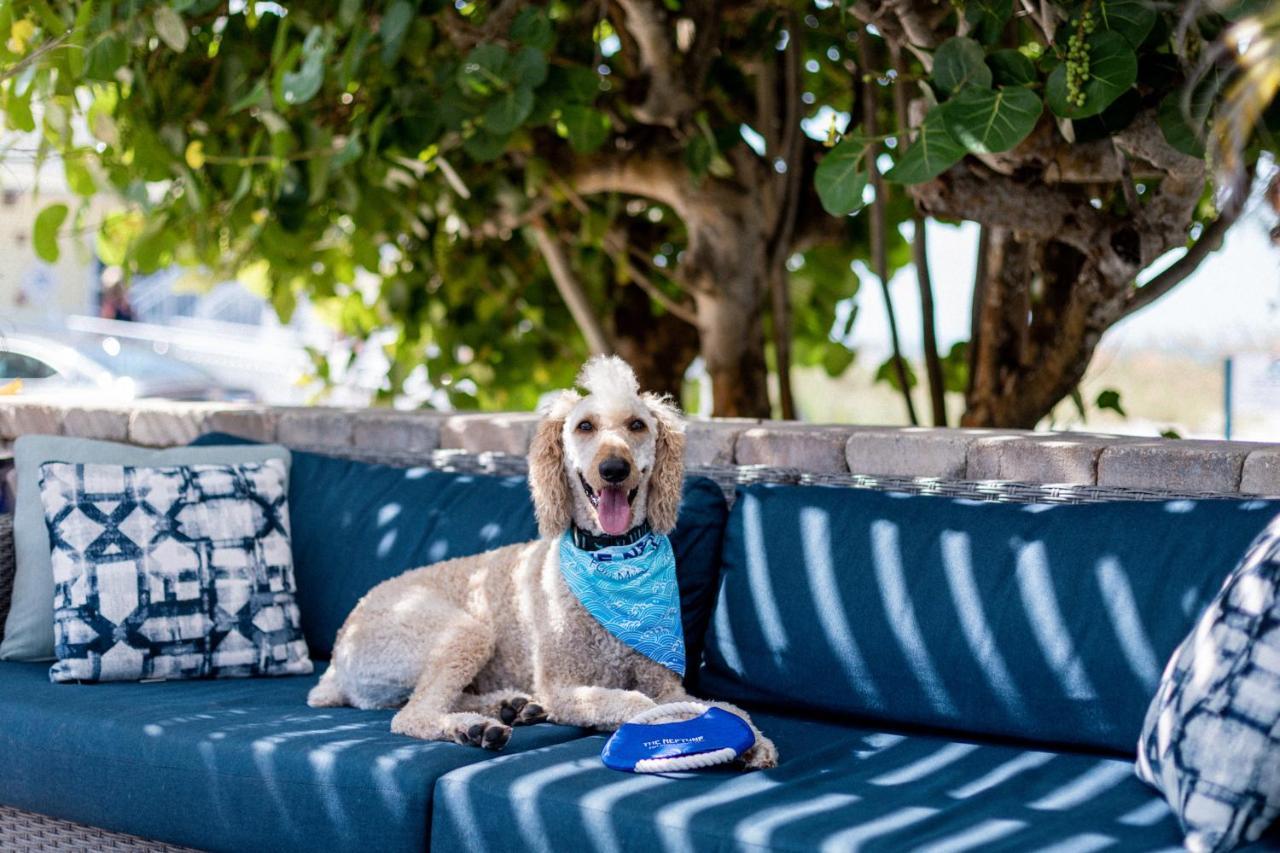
(677, 736)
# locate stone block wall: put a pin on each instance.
(960, 454)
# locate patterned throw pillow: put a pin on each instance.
(1211, 740)
(179, 572)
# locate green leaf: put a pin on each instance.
(105, 56)
(1132, 19)
(1178, 131)
(170, 27)
(575, 83)
(254, 97)
(1113, 68)
(303, 85)
(697, 155)
(509, 111)
(531, 27)
(44, 235)
(485, 147)
(483, 72)
(837, 358)
(1170, 433)
(987, 122)
(528, 68)
(395, 23)
(888, 373)
(79, 179)
(932, 153)
(987, 18)
(839, 179)
(586, 129)
(955, 368)
(1110, 399)
(960, 62)
(1011, 68)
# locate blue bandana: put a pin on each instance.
(631, 590)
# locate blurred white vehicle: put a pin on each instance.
(79, 367)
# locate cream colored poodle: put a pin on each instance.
(472, 646)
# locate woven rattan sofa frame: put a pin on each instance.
(28, 831)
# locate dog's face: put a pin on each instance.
(610, 460)
(609, 450)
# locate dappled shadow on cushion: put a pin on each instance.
(227, 765)
(1044, 622)
(837, 788)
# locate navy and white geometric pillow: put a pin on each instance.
(178, 572)
(1211, 740)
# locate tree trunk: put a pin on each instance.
(1037, 328)
(659, 348)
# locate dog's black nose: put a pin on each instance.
(615, 470)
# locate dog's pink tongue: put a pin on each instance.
(614, 512)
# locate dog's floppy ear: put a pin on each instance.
(552, 501)
(667, 480)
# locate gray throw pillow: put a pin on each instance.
(1211, 740)
(28, 630)
(172, 572)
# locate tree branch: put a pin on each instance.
(570, 289)
(920, 257)
(667, 99)
(877, 222)
(1211, 239)
(779, 280)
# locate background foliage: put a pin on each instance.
(463, 173)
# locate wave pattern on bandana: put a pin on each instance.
(631, 590)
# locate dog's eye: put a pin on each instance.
(585, 426)
(637, 425)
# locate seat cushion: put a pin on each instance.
(1046, 622)
(838, 788)
(355, 524)
(223, 765)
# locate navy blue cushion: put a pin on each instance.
(355, 524)
(1051, 623)
(837, 788)
(223, 765)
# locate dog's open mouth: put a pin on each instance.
(612, 505)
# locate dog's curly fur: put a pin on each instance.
(472, 646)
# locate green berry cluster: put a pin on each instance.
(1078, 59)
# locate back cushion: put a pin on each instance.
(355, 524)
(1046, 622)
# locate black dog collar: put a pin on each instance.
(591, 542)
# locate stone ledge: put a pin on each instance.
(911, 451)
(406, 432)
(169, 424)
(104, 424)
(1107, 460)
(1057, 457)
(711, 442)
(502, 433)
(1175, 465)
(315, 427)
(820, 449)
(30, 417)
(1261, 474)
(256, 424)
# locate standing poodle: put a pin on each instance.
(472, 646)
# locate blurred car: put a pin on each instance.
(103, 368)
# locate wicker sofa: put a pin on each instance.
(877, 783)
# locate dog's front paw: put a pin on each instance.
(489, 735)
(521, 711)
(762, 756)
